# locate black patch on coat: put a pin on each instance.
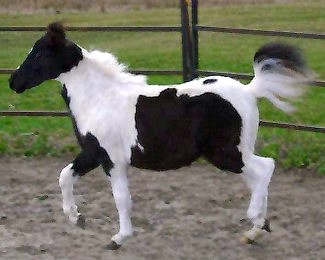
(66, 98)
(84, 163)
(92, 149)
(209, 81)
(175, 131)
(92, 154)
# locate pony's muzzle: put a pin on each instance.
(15, 84)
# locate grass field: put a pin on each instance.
(30, 6)
(225, 52)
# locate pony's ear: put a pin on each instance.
(55, 34)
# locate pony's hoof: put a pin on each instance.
(266, 226)
(113, 246)
(81, 222)
(245, 240)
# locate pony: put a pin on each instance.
(120, 121)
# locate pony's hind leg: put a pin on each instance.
(257, 174)
(68, 176)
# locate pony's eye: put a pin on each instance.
(38, 55)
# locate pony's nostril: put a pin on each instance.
(15, 83)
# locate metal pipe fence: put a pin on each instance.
(95, 28)
(189, 30)
(306, 35)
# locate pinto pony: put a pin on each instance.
(121, 121)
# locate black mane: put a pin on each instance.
(56, 33)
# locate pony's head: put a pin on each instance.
(50, 56)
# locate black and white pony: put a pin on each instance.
(121, 121)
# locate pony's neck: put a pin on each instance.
(99, 72)
(84, 75)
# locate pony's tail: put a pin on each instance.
(280, 74)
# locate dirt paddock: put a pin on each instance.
(193, 213)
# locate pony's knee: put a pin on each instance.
(123, 202)
(267, 162)
(259, 167)
(268, 165)
(66, 176)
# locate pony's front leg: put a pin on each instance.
(68, 176)
(66, 182)
(123, 203)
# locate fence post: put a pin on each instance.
(195, 39)
(187, 53)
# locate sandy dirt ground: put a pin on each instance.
(193, 213)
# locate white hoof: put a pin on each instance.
(250, 236)
(119, 238)
(245, 240)
(113, 246)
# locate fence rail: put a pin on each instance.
(135, 71)
(35, 113)
(95, 28)
(307, 35)
(189, 30)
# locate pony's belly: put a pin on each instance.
(163, 158)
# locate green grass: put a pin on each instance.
(225, 52)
